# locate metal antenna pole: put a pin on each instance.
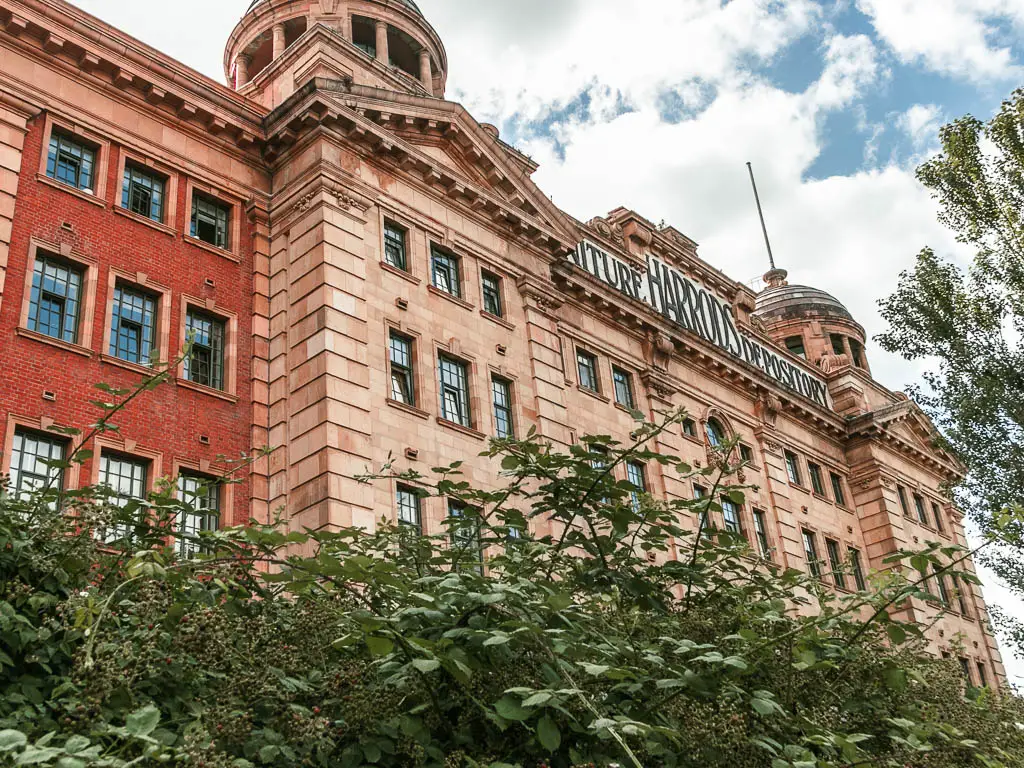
(760, 212)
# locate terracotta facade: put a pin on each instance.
(358, 205)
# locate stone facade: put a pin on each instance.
(343, 176)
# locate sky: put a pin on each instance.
(656, 105)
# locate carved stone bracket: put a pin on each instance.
(538, 296)
(658, 349)
(767, 409)
(659, 384)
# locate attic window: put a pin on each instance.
(838, 347)
(364, 35)
(795, 344)
(857, 351)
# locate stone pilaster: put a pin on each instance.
(279, 41)
(260, 471)
(242, 70)
(787, 518)
(14, 115)
(547, 365)
(426, 76)
(382, 43)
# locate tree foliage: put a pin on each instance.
(968, 324)
(622, 638)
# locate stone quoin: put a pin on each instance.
(368, 271)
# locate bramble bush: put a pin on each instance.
(480, 647)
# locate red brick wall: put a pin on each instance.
(171, 419)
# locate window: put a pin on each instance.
(409, 514)
(202, 495)
(402, 390)
(940, 579)
(761, 532)
(715, 432)
(965, 668)
(838, 493)
(817, 480)
(731, 516)
(811, 553)
(454, 377)
(795, 344)
(395, 246)
(922, 515)
(210, 220)
(501, 392)
(636, 474)
(126, 477)
(706, 525)
(205, 362)
(465, 531)
(858, 569)
(71, 162)
(901, 492)
(143, 193)
(838, 347)
(690, 428)
(30, 471)
(982, 675)
(857, 353)
(364, 35)
(937, 514)
(961, 596)
(492, 294)
(792, 467)
(56, 299)
(746, 454)
(587, 365)
(133, 325)
(444, 270)
(623, 388)
(835, 563)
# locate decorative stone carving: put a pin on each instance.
(773, 447)
(758, 324)
(347, 202)
(659, 350)
(832, 362)
(606, 229)
(305, 202)
(767, 408)
(659, 384)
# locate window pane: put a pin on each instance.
(922, 516)
(454, 391)
(502, 394)
(492, 295)
(858, 569)
(817, 481)
(623, 388)
(715, 432)
(731, 514)
(143, 193)
(793, 468)
(901, 492)
(587, 365)
(209, 220)
(445, 272)
(465, 532)
(70, 161)
(836, 563)
(838, 492)
(205, 363)
(55, 299)
(637, 476)
(401, 370)
(811, 553)
(409, 508)
(133, 324)
(690, 428)
(795, 344)
(394, 246)
(127, 479)
(937, 514)
(29, 453)
(202, 495)
(761, 530)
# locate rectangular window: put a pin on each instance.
(444, 270)
(143, 193)
(586, 363)
(961, 595)
(454, 377)
(966, 669)
(922, 515)
(838, 492)
(858, 569)
(56, 299)
(501, 393)
(940, 580)
(706, 524)
(132, 325)
(761, 532)
(838, 347)
(210, 220)
(71, 162)
(817, 479)
(795, 344)
(409, 514)
(623, 388)
(400, 351)
(205, 362)
(465, 532)
(636, 474)
(792, 467)
(690, 428)
(937, 514)
(746, 454)
(202, 496)
(901, 492)
(811, 553)
(30, 471)
(731, 516)
(395, 246)
(492, 294)
(126, 477)
(982, 675)
(835, 563)
(857, 353)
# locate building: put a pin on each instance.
(370, 271)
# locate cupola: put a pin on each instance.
(810, 323)
(280, 45)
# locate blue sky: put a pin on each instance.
(657, 105)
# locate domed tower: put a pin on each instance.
(810, 323)
(280, 45)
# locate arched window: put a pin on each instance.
(715, 432)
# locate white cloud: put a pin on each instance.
(851, 64)
(921, 123)
(953, 37)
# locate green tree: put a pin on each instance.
(968, 324)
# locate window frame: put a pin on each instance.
(101, 146)
(940, 524)
(17, 430)
(857, 568)
(761, 533)
(508, 410)
(401, 489)
(49, 259)
(465, 399)
(920, 510)
(128, 187)
(792, 462)
(625, 378)
(689, 429)
(187, 549)
(594, 369)
(817, 478)
(728, 505)
(114, 335)
(409, 371)
(715, 432)
(802, 352)
(838, 488)
(390, 224)
(127, 450)
(746, 454)
(497, 292)
(221, 196)
(456, 271)
(458, 509)
(129, 157)
(87, 311)
(810, 544)
(140, 282)
(38, 425)
(636, 475)
(904, 502)
(230, 344)
(836, 562)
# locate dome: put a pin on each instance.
(792, 302)
(407, 3)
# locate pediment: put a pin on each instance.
(908, 424)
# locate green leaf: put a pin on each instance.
(764, 707)
(371, 751)
(76, 744)
(426, 665)
(537, 699)
(143, 722)
(548, 734)
(379, 646)
(71, 762)
(897, 634)
(510, 709)
(269, 752)
(12, 740)
(510, 463)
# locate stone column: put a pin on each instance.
(279, 44)
(382, 43)
(425, 75)
(242, 70)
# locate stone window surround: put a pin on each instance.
(500, 372)
(912, 487)
(87, 310)
(419, 388)
(100, 144)
(826, 467)
(42, 426)
(845, 545)
(129, 449)
(234, 202)
(413, 233)
(473, 376)
(169, 225)
(205, 468)
(230, 320)
(163, 326)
